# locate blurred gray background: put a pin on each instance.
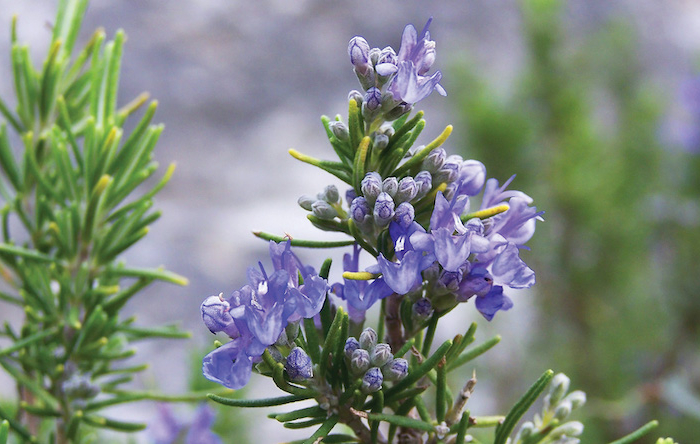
(241, 82)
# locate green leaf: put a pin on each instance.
(504, 430)
(7, 160)
(68, 20)
(265, 402)
(643, 430)
(18, 345)
(323, 430)
(473, 353)
(4, 431)
(150, 273)
(400, 421)
(25, 253)
(112, 424)
(303, 242)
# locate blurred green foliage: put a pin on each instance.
(616, 264)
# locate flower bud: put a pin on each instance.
(408, 189)
(299, 366)
(563, 410)
(568, 429)
(330, 194)
(448, 173)
(558, 388)
(215, 313)
(390, 186)
(434, 160)
(306, 202)
(323, 210)
(372, 381)
(525, 431)
(371, 186)
(359, 210)
(339, 130)
(368, 338)
(424, 183)
(350, 195)
(404, 214)
(374, 54)
(79, 386)
(422, 309)
(358, 50)
(380, 355)
(351, 345)
(383, 210)
(380, 141)
(372, 99)
(399, 110)
(395, 369)
(357, 96)
(577, 398)
(359, 361)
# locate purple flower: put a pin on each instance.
(200, 430)
(404, 275)
(168, 429)
(260, 312)
(359, 294)
(407, 86)
(493, 301)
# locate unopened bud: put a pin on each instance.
(422, 309)
(380, 141)
(434, 160)
(390, 186)
(357, 96)
(558, 388)
(323, 210)
(569, 429)
(404, 215)
(330, 194)
(359, 361)
(299, 366)
(351, 345)
(525, 431)
(368, 338)
(577, 398)
(408, 189)
(372, 100)
(371, 186)
(306, 202)
(339, 130)
(380, 355)
(424, 183)
(359, 210)
(395, 370)
(562, 410)
(372, 381)
(383, 210)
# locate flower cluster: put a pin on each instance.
(255, 316)
(394, 82)
(373, 361)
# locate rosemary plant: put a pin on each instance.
(71, 206)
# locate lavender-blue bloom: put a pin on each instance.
(261, 311)
(492, 302)
(359, 294)
(200, 430)
(404, 275)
